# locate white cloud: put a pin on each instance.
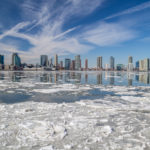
(131, 10)
(51, 38)
(104, 34)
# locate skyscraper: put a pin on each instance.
(67, 64)
(56, 61)
(61, 64)
(130, 64)
(51, 62)
(144, 65)
(130, 59)
(86, 64)
(99, 62)
(73, 65)
(77, 62)
(137, 65)
(2, 59)
(112, 63)
(44, 60)
(16, 61)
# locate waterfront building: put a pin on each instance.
(16, 61)
(99, 62)
(73, 65)
(67, 64)
(51, 62)
(137, 65)
(77, 62)
(144, 65)
(56, 61)
(86, 64)
(130, 66)
(106, 66)
(44, 60)
(2, 59)
(130, 59)
(112, 63)
(61, 64)
(7, 67)
(120, 67)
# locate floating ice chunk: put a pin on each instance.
(60, 131)
(10, 92)
(68, 146)
(106, 130)
(47, 148)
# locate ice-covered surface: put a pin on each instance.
(97, 117)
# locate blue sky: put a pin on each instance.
(92, 28)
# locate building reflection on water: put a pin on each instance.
(99, 78)
(130, 77)
(17, 76)
(111, 78)
(86, 78)
(143, 78)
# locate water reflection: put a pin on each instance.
(111, 78)
(99, 78)
(130, 77)
(17, 76)
(143, 78)
(105, 78)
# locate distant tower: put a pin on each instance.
(56, 60)
(130, 63)
(112, 63)
(73, 65)
(61, 64)
(2, 59)
(99, 62)
(146, 64)
(86, 64)
(51, 62)
(16, 61)
(67, 64)
(44, 60)
(130, 59)
(77, 62)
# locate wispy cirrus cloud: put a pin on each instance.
(51, 38)
(108, 34)
(134, 9)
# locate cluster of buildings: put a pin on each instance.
(68, 64)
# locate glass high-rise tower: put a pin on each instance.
(44, 60)
(112, 63)
(2, 59)
(77, 62)
(99, 62)
(16, 61)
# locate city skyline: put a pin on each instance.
(99, 29)
(51, 64)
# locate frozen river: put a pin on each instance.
(74, 110)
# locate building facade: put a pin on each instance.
(86, 64)
(77, 62)
(2, 59)
(67, 64)
(16, 61)
(44, 60)
(130, 59)
(112, 63)
(99, 62)
(56, 61)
